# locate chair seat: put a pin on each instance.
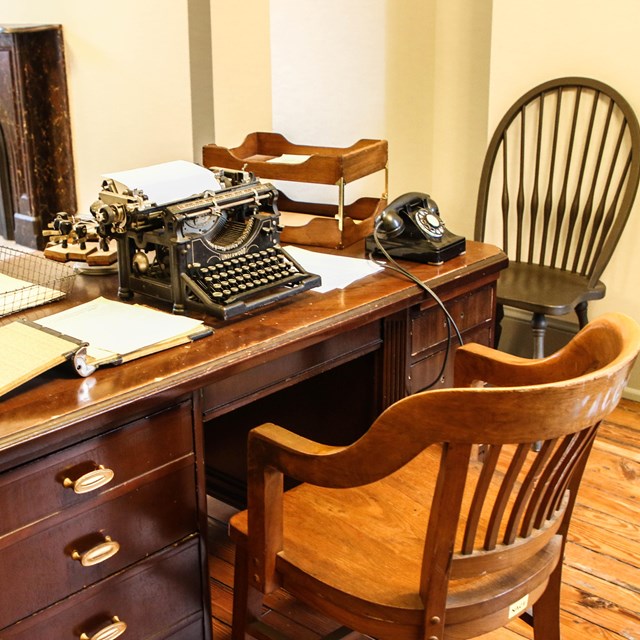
(365, 544)
(540, 289)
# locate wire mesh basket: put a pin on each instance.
(28, 280)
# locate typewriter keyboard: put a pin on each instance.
(242, 283)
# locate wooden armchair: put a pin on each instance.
(410, 534)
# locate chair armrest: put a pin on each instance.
(320, 464)
(476, 365)
(296, 456)
(272, 453)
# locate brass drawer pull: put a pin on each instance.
(90, 481)
(97, 554)
(110, 632)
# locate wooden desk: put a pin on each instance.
(350, 352)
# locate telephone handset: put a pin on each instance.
(411, 228)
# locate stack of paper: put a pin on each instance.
(116, 331)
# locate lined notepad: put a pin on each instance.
(28, 351)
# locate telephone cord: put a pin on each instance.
(394, 266)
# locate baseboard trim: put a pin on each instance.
(631, 393)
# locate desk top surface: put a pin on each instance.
(60, 400)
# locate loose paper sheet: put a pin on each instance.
(17, 294)
(289, 158)
(336, 272)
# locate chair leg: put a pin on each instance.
(538, 326)
(498, 325)
(247, 601)
(581, 312)
(546, 611)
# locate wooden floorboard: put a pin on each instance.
(601, 576)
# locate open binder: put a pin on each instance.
(97, 333)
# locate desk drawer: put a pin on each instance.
(158, 510)
(157, 598)
(429, 327)
(36, 491)
(425, 370)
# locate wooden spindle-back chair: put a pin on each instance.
(441, 521)
(559, 178)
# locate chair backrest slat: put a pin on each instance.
(591, 218)
(606, 232)
(520, 192)
(524, 494)
(535, 190)
(504, 494)
(568, 164)
(582, 443)
(505, 198)
(540, 497)
(575, 203)
(479, 497)
(553, 153)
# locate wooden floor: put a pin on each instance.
(601, 591)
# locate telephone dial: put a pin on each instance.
(411, 228)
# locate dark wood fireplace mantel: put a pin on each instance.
(36, 156)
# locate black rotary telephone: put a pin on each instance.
(410, 228)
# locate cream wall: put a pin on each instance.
(128, 78)
(413, 72)
(535, 41)
(241, 44)
(327, 73)
(460, 100)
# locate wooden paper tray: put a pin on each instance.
(319, 224)
(272, 156)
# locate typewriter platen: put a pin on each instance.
(217, 251)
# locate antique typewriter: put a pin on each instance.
(217, 251)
